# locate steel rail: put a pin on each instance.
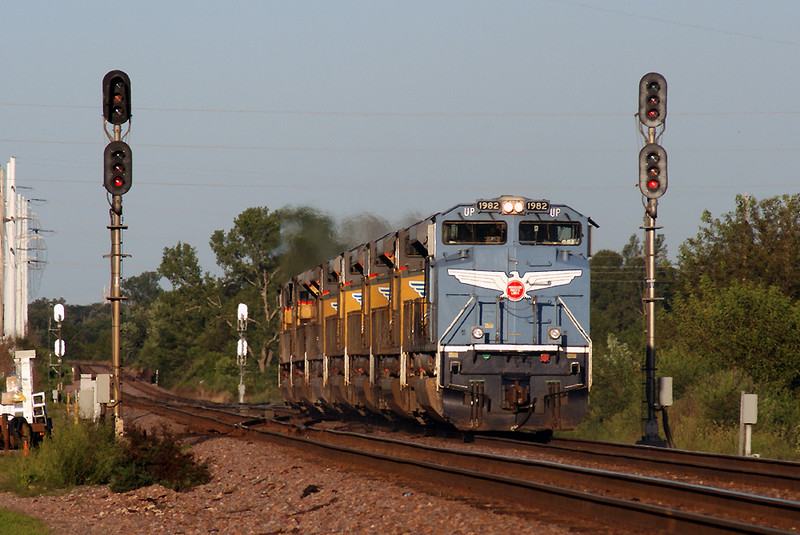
(784, 513)
(461, 472)
(771, 473)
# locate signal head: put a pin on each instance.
(653, 171)
(652, 99)
(117, 168)
(116, 97)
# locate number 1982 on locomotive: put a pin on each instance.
(513, 206)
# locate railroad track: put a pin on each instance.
(728, 469)
(616, 497)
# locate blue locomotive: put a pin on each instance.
(477, 316)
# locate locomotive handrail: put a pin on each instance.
(585, 335)
(455, 320)
(574, 321)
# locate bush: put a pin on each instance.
(157, 458)
(719, 395)
(88, 454)
(74, 454)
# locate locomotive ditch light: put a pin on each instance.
(477, 332)
(554, 333)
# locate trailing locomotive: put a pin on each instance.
(477, 316)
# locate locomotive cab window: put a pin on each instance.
(550, 232)
(474, 232)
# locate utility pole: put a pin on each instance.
(117, 178)
(653, 184)
(2, 249)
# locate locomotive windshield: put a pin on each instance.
(474, 232)
(550, 232)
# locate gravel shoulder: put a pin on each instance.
(261, 488)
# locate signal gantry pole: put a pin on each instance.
(117, 178)
(653, 184)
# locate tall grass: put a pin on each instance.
(86, 453)
(13, 523)
(74, 454)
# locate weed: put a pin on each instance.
(14, 523)
(156, 458)
(87, 454)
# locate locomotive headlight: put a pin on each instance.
(513, 206)
(477, 332)
(554, 333)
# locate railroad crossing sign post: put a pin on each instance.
(117, 178)
(653, 184)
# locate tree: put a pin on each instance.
(179, 265)
(142, 289)
(618, 288)
(758, 242)
(262, 249)
(248, 255)
(744, 325)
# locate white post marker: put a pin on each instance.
(748, 416)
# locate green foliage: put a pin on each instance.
(617, 380)
(179, 265)
(779, 412)
(618, 288)
(14, 523)
(719, 394)
(731, 325)
(86, 328)
(89, 454)
(141, 289)
(150, 459)
(758, 242)
(742, 325)
(75, 454)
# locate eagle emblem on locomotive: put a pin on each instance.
(477, 316)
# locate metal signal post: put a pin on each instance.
(117, 177)
(653, 184)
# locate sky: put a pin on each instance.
(389, 108)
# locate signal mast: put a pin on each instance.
(117, 178)
(652, 184)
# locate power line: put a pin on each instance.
(678, 23)
(398, 150)
(396, 114)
